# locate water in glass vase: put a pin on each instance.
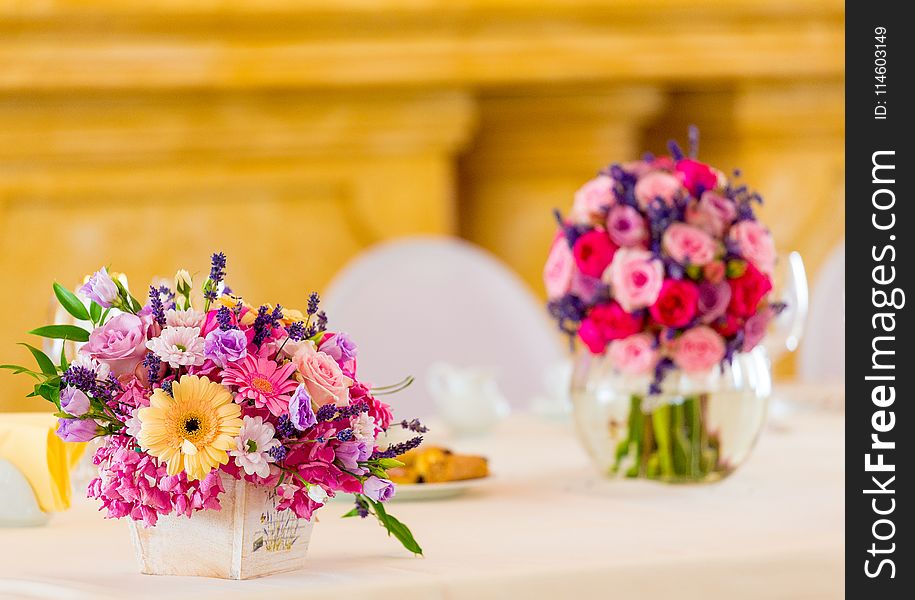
(697, 429)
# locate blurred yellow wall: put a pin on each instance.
(293, 133)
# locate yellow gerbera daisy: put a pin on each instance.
(192, 429)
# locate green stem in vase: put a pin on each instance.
(696, 428)
(679, 439)
(661, 420)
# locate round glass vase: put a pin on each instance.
(699, 428)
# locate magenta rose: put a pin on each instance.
(626, 226)
(688, 245)
(634, 355)
(120, 343)
(557, 273)
(713, 213)
(755, 244)
(592, 199)
(593, 252)
(697, 177)
(747, 291)
(657, 185)
(698, 350)
(635, 277)
(676, 304)
(608, 322)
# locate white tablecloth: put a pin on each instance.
(543, 527)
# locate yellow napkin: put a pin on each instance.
(28, 441)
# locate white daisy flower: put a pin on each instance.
(184, 318)
(253, 445)
(179, 346)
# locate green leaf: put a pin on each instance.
(70, 302)
(135, 306)
(63, 358)
(44, 363)
(389, 463)
(395, 528)
(17, 370)
(62, 332)
(95, 311)
(352, 513)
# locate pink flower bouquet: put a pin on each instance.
(187, 391)
(662, 264)
(661, 268)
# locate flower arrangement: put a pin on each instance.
(662, 264)
(662, 267)
(183, 397)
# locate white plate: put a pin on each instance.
(410, 492)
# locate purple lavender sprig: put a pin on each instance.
(152, 363)
(396, 450)
(156, 307)
(225, 318)
(414, 426)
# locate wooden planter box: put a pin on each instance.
(247, 538)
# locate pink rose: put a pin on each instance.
(688, 245)
(657, 185)
(713, 213)
(755, 244)
(697, 177)
(585, 287)
(592, 198)
(120, 343)
(635, 277)
(322, 377)
(634, 355)
(698, 350)
(626, 226)
(593, 251)
(560, 264)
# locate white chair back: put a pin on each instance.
(822, 354)
(415, 302)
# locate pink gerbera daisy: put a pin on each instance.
(260, 379)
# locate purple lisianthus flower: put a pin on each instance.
(379, 490)
(101, 288)
(341, 348)
(351, 453)
(626, 226)
(76, 430)
(713, 300)
(73, 401)
(301, 413)
(754, 330)
(225, 346)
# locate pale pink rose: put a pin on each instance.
(698, 350)
(755, 244)
(688, 245)
(322, 376)
(560, 265)
(754, 330)
(592, 198)
(634, 355)
(713, 213)
(635, 277)
(657, 184)
(120, 343)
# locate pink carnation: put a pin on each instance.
(698, 349)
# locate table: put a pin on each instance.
(544, 526)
